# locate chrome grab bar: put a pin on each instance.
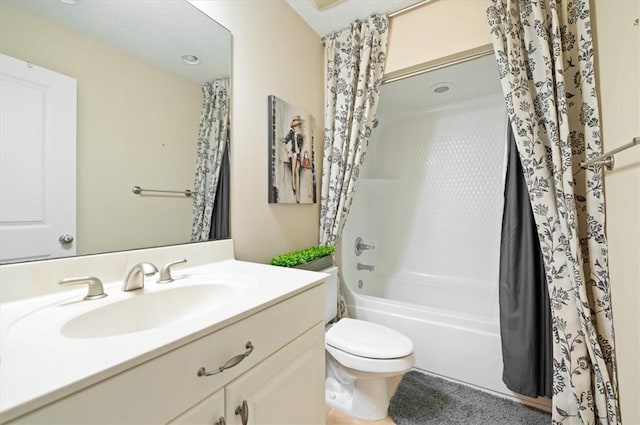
(138, 190)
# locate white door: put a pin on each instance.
(37, 162)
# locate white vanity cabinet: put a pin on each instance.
(281, 380)
(283, 389)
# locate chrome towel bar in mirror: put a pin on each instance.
(138, 190)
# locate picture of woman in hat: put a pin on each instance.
(292, 178)
(292, 145)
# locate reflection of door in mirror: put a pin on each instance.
(139, 99)
(38, 162)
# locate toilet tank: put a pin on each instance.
(331, 290)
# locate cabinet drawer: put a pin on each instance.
(160, 389)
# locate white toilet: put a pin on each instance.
(360, 358)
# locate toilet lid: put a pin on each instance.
(366, 339)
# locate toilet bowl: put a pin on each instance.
(360, 358)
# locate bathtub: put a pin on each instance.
(448, 341)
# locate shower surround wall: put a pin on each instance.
(430, 199)
(439, 203)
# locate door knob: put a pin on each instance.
(65, 239)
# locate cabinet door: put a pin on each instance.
(207, 412)
(286, 388)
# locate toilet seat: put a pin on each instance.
(371, 366)
(368, 340)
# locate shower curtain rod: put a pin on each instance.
(408, 8)
(607, 158)
(433, 65)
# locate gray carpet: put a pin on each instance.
(426, 400)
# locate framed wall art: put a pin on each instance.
(292, 172)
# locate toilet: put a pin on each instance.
(360, 358)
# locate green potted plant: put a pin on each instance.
(314, 258)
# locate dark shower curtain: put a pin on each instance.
(525, 315)
(220, 226)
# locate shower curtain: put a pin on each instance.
(220, 222)
(212, 140)
(355, 63)
(525, 312)
(545, 58)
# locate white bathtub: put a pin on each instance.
(447, 341)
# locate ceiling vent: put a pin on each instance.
(324, 4)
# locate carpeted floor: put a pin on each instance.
(426, 400)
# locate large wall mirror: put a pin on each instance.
(137, 69)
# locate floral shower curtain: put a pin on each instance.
(545, 57)
(355, 63)
(212, 138)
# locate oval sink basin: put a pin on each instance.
(147, 311)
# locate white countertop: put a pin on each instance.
(39, 365)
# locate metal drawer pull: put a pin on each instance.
(233, 361)
(221, 421)
(243, 412)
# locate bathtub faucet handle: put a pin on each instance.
(361, 246)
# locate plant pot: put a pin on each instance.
(317, 264)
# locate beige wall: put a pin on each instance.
(274, 52)
(137, 125)
(436, 32)
(618, 71)
(449, 29)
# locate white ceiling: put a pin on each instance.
(344, 13)
(471, 79)
(158, 32)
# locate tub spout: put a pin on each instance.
(365, 267)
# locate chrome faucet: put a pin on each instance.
(135, 277)
(365, 267)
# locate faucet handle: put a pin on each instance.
(360, 246)
(95, 291)
(165, 272)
